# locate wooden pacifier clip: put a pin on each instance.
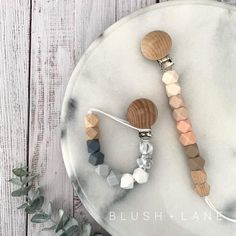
(141, 115)
(156, 46)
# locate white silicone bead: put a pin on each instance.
(170, 77)
(140, 176)
(173, 89)
(127, 181)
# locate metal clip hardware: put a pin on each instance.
(145, 134)
(166, 63)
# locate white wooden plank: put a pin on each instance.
(14, 62)
(52, 62)
(125, 7)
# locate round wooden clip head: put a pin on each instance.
(156, 45)
(142, 113)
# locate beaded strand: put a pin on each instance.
(138, 121)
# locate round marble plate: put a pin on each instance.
(111, 74)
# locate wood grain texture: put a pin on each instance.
(14, 67)
(125, 7)
(52, 61)
(142, 113)
(156, 45)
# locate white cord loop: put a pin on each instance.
(117, 119)
(210, 204)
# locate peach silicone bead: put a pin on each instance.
(187, 138)
(184, 126)
(180, 114)
(170, 77)
(173, 89)
(176, 101)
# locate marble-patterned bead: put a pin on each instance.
(191, 150)
(199, 176)
(173, 89)
(146, 147)
(196, 163)
(103, 170)
(145, 161)
(127, 181)
(96, 158)
(184, 126)
(180, 114)
(187, 138)
(202, 189)
(170, 77)
(91, 120)
(92, 133)
(140, 176)
(176, 101)
(93, 145)
(113, 178)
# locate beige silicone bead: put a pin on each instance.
(180, 114)
(173, 89)
(176, 101)
(170, 77)
(187, 138)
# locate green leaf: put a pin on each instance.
(35, 205)
(24, 205)
(26, 189)
(38, 193)
(15, 181)
(61, 220)
(71, 222)
(20, 172)
(53, 227)
(49, 210)
(29, 179)
(40, 218)
(21, 191)
(71, 231)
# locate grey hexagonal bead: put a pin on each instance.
(93, 145)
(113, 178)
(96, 158)
(103, 170)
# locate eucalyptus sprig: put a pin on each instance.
(60, 223)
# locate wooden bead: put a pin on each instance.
(196, 163)
(199, 176)
(92, 133)
(202, 189)
(187, 138)
(91, 120)
(176, 101)
(156, 45)
(142, 113)
(184, 126)
(180, 114)
(191, 150)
